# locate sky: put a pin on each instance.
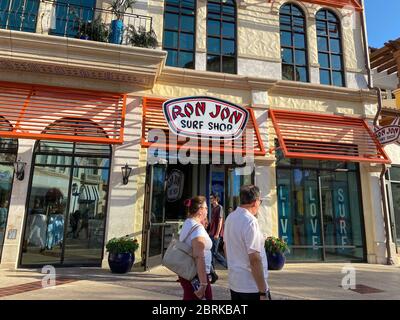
(383, 21)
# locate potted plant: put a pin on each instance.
(118, 8)
(141, 37)
(95, 30)
(275, 249)
(121, 254)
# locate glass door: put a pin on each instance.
(155, 215)
(341, 216)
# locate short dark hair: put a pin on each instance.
(215, 196)
(249, 194)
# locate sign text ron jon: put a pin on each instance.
(205, 117)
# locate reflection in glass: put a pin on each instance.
(329, 49)
(303, 193)
(67, 205)
(179, 33)
(293, 38)
(221, 36)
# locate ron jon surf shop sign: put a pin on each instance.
(205, 117)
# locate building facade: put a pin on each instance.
(385, 62)
(75, 111)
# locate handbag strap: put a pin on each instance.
(191, 231)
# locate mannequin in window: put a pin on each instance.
(3, 215)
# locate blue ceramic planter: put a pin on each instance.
(117, 30)
(276, 261)
(121, 262)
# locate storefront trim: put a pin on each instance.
(326, 137)
(153, 118)
(34, 111)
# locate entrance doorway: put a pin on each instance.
(320, 214)
(169, 185)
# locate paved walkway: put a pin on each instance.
(296, 281)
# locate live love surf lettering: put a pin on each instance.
(205, 117)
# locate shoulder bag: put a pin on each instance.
(179, 258)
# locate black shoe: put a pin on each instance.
(214, 277)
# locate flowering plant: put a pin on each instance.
(275, 245)
(122, 245)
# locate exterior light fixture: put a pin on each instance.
(19, 167)
(126, 172)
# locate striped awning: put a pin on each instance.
(53, 113)
(153, 119)
(89, 193)
(326, 137)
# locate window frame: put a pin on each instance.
(293, 48)
(178, 49)
(329, 51)
(221, 37)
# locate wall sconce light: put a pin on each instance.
(126, 172)
(20, 169)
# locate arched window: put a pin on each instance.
(67, 200)
(330, 52)
(179, 32)
(293, 43)
(8, 155)
(221, 36)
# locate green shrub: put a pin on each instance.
(122, 245)
(275, 245)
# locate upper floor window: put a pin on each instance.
(179, 32)
(293, 43)
(330, 52)
(19, 14)
(221, 36)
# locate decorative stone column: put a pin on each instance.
(16, 214)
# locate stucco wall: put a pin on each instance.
(258, 37)
(315, 105)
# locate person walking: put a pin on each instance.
(244, 248)
(216, 229)
(194, 234)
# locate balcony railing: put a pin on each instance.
(74, 21)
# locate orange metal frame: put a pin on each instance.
(159, 102)
(314, 148)
(31, 109)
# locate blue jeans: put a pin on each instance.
(215, 254)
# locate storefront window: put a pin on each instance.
(393, 175)
(8, 154)
(179, 33)
(316, 216)
(67, 204)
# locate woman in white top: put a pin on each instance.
(201, 244)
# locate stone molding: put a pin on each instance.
(23, 51)
(274, 87)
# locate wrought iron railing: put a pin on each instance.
(70, 20)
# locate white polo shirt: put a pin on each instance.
(242, 236)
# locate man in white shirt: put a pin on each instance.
(244, 249)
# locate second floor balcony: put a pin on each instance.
(74, 20)
(81, 38)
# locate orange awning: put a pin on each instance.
(52, 113)
(356, 4)
(326, 137)
(153, 118)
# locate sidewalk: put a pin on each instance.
(296, 281)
